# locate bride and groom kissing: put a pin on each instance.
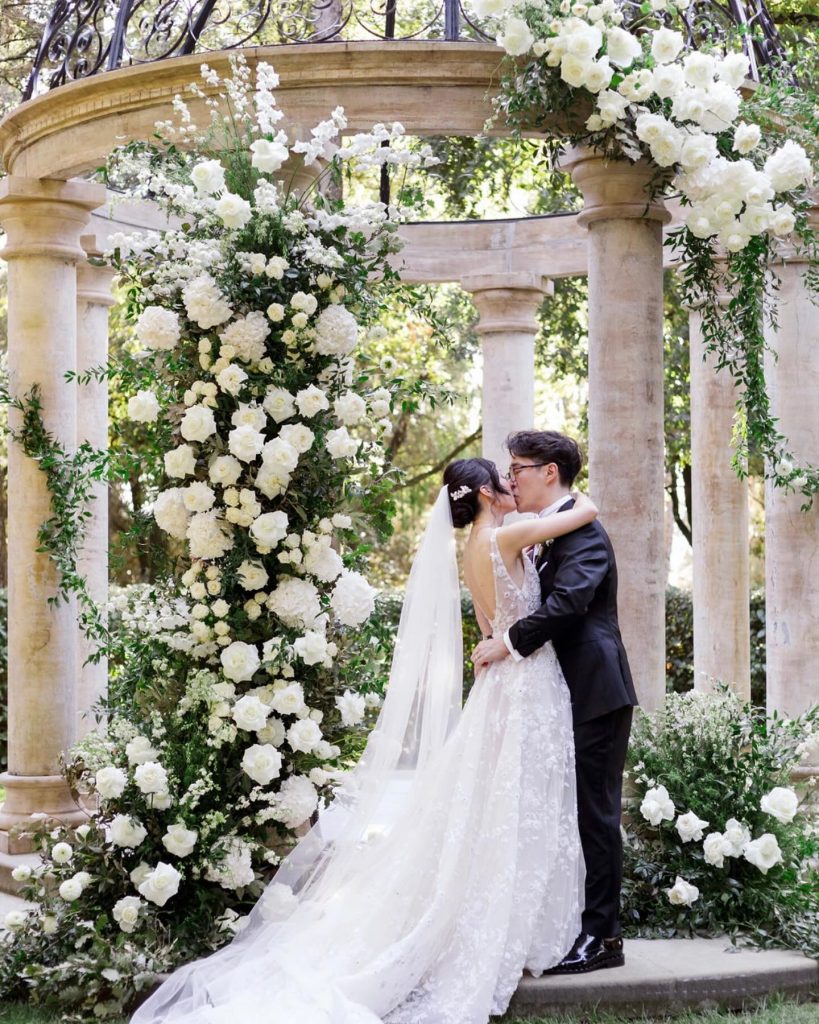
(469, 843)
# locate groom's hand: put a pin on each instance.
(488, 651)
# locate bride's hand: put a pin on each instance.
(583, 501)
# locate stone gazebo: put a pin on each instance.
(97, 83)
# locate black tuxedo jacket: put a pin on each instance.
(578, 586)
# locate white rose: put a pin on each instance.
(698, 151)
(690, 827)
(734, 239)
(289, 700)
(280, 454)
(224, 470)
(181, 461)
(198, 497)
(62, 853)
(683, 894)
(70, 890)
(574, 70)
(312, 648)
(269, 528)
(763, 853)
(231, 378)
(179, 840)
(110, 782)
(273, 733)
(139, 750)
(198, 423)
(245, 443)
(268, 156)
(582, 39)
(781, 803)
(140, 873)
(126, 911)
(336, 332)
(612, 106)
(151, 777)
(208, 176)
(636, 86)
(252, 575)
(126, 831)
(657, 806)
(304, 735)
(666, 45)
(232, 210)
(599, 74)
(353, 599)
(733, 69)
(276, 312)
(516, 37)
(158, 328)
(262, 762)
(746, 137)
(699, 69)
(737, 837)
(622, 47)
(239, 661)
(351, 706)
(279, 404)
(789, 167)
(160, 884)
(667, 80)
(311, 400)
(249, 415)
(298, 435)
(250, 713)
(170, 513)
(715, 849)
(143, 407)
(340, 445)
(782, 220)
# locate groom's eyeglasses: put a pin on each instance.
(514, 469)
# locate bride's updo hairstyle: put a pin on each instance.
(463, 479)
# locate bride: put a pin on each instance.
(449, 859)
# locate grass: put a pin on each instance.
(770, 1011)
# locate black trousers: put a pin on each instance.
(600, 756)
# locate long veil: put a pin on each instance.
(421, 707)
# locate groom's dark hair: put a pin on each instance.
(548, 446)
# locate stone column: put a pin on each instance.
(722, 644)
(626, 439)
(43, 220)
(507, 306)
(93, 301)
(792, 536)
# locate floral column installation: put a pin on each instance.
(44, 220)
(507, 307)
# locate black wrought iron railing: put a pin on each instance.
(86, 37)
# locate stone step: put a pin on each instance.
(670, 975)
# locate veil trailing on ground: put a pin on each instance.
(335, 861)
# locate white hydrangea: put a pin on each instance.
(296, 801)
(234, 869)
(247, 336)
(353, 599)
(295, 602)
(209, 536)
(204, 303)
(158, 328)
(336, 331)
(170, 513)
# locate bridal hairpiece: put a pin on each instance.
(460, 493)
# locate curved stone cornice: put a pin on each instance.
(432, 88)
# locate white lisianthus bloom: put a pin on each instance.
(151, 777)
(232, 210)
(303, 735)
(139, 750)
(250, 713)
(789, 167)
(311, 400)
(746, 138)
(208, 536)
(231, 379)
(143, 407)
(781, 803)
(179, 840)
(269, 528)
(279, 901)
(763, 853)
(683, 894)
(252, 575)
(268, 156)
(351, 707)
(70, 890)
(126, 831)
(170, 513)
(516, 37)
(782, 220)
(15, 920)
(313, 649)
(699, 68)
(204, 303)
(340, 445)
(715, 849)
(657, 806)
(737, 836)
(62, 853)
(110, 782)
(180, 462)
(245, 443)
(733, 69)
(336, 331)
(208, 176)
(239, 661)
(622, 47)
(690, 827)
(198, 496)
(666, 44)
(262, 762)
(158, 328)
(279, 404)
(353, 599)
(224, 470)
(349, 408)
(295, 602)
(698, 151)
(289, 700)
(295, 801)
(160, 884)
(126, 910)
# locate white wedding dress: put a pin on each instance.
(470, 870)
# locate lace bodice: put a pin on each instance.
(512, 602)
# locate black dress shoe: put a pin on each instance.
(590, 954)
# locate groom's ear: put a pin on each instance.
(552, 472)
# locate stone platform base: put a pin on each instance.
(672, 975)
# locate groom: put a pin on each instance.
(578, 584)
